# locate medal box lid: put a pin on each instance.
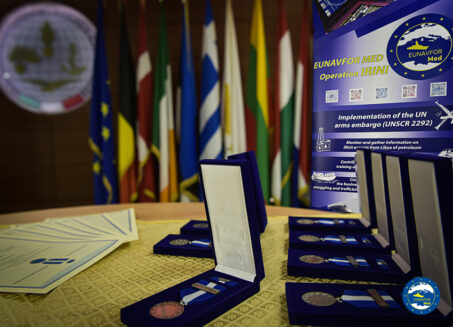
(365, 186)
(258, 191)
(400, 202)
(231, 210)
(381, 200)
(431, 181)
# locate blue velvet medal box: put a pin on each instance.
(423, 208)
(195, 227)
(186, 245)
(363, 225)
(231, 212)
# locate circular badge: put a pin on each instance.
(421, 295)
(166, 310)
(180, 241)
(421, 48)
(46, 57)
(200, 225)
(309, 238)
(305, 221)
(310, 258)
(319, 299)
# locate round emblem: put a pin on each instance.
(305, 221)
(180, 241)
(421, 48)
(319, 299)
(421, 295)
(166, 310)
(46, 57)
(309, 238)
(310, 258)
(200, 225)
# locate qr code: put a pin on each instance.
(409, 91)
(382, 93)
(331, 96)
(438, 89)
(355, 95)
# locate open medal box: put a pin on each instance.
(363, 225)
(231, 211)
(421, 238)
(320, 258)
(188, 243)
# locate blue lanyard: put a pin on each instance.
(361, 299)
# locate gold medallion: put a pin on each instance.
(310, 258)
(166, 310)
(309, 238)
(180, 241)
(305, 221)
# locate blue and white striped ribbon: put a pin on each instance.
(224, 281)
(361, 299)
(202, 242)
(330, 221)
(382, 264)
(336, 239)
(193, 295)
(342, 261)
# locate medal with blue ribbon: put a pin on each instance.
(200, 292)
(368, 299)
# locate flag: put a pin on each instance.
(210, 117)
(284, 106)
(163, 123)
(146, 178)
(101, 139)
(188, 144)
(257, 113)
(127, 171)
(302, 127)
(234, 139)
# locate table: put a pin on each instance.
(95, 296)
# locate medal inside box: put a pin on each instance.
(352, 305)
(348, 242)
(195, 227)
(188, 245)
(237, 254)
(338, 225)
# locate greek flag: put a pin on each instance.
(210, 118)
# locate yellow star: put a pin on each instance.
(104, 109)
(105, 133)
(97, 167)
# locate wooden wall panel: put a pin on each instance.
(45, 160)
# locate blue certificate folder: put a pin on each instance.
(337, 304)
(231, 211)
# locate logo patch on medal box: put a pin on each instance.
(421, 295)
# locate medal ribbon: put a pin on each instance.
(336, 239)
(329, 222)
(202, 242)
(224, 281)
(361, 299)
(341, 261)
(193, 295)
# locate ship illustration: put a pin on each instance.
(418, 295)
(417, 46)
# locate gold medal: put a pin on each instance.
(309, 238)
(310, 258)
(305, 221)
(166, 310)
(200, 225)
(319, 299)
(180, 241)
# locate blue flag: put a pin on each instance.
(101, 127)
(210, 119)
(188, 138)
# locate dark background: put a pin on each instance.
(45, 160)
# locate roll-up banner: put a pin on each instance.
(383, 81)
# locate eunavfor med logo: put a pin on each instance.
(421, 295)
(421, 48)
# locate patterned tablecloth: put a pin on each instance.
(132, 272)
